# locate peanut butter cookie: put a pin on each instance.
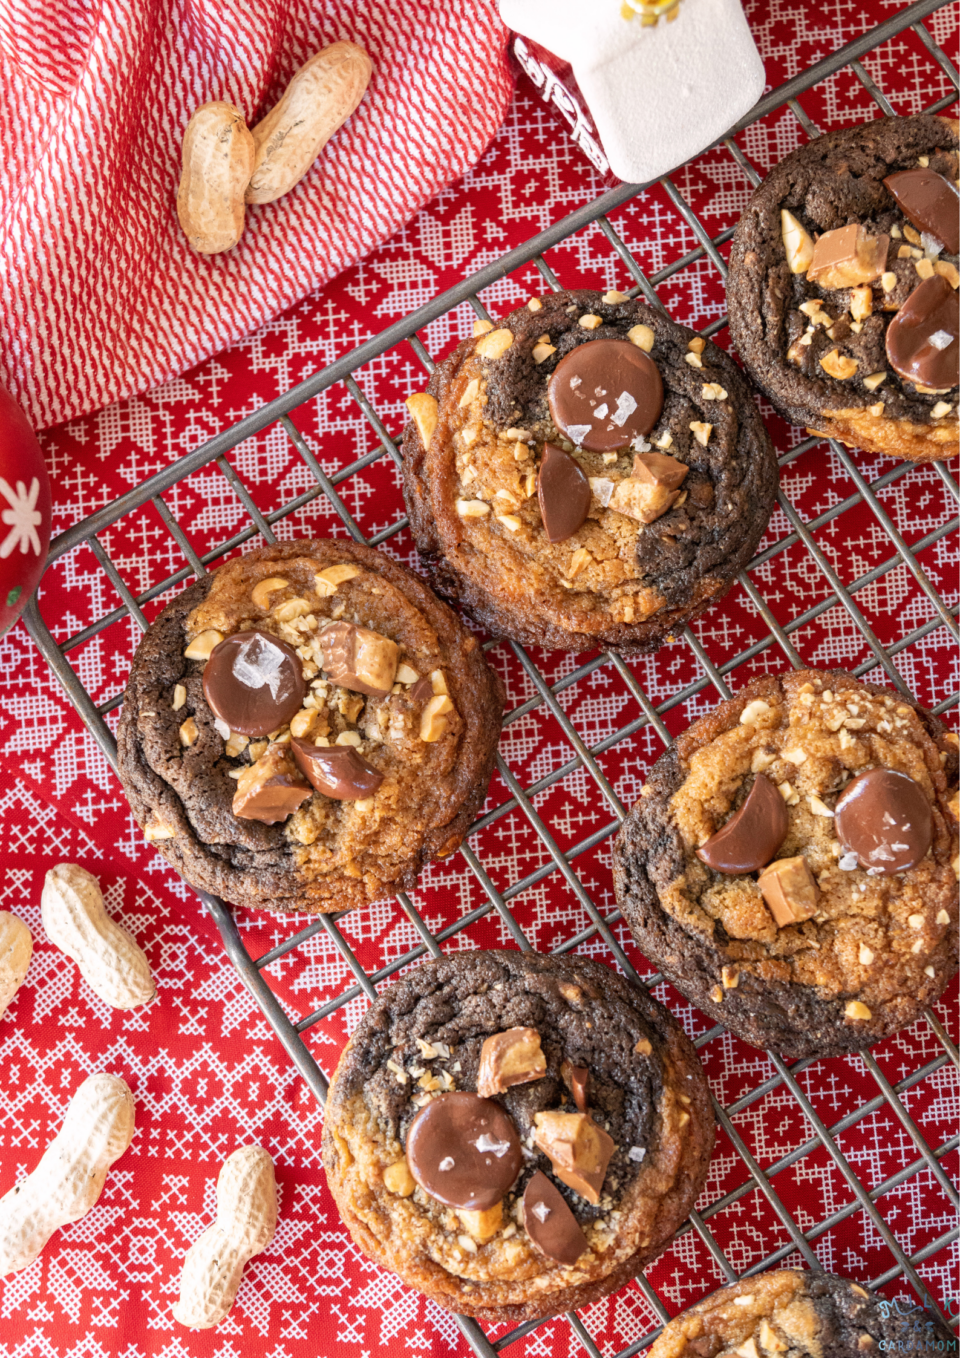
(842, 288)
(307, 727)
(588, 474)
(791, 864)
(516, 1135)
(804, 1315)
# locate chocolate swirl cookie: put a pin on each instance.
(587, 474)
(842, 288)
(803, 1315)
(791, 864)
(306, 728)
(516, 1135)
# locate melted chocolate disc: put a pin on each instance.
(549, 1222)
(464, 1151)
(922, 339)
(930, 202)
(885, 819)
(336, 770)
(752, 836)
(564, 493)
(604, 394)
(254, 683)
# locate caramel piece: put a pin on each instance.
(651, 488)
(790, 890)
(358, 659)
(578, 1149)
(847, 257)
(510, 1058)
(271, 789)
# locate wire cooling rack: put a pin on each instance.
(712, 674)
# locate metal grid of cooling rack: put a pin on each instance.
(254, 972)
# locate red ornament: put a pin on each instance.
(24, 511)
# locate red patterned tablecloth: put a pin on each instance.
(206, 1070)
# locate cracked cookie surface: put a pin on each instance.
(819, 353)
(873, 949)
(474, 451)
(423, 1039)
(430, 739)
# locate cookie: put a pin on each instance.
(306, 728)
(842, 289)
(798, 1313)
(791, 864)
(516, 1135)
(588, 474)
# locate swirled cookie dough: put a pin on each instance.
(203, 792)
(586, 1037)
(800, 1314)
(474, 459)
(820, 352)
(870, 950)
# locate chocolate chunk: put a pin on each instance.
(605, 393)
(549, 1222)
(358, 659)
(752, 836)
(337, 770)
(922, 338)
(930, 202)
(513, 1057)
(651, 488)
(847, 257)
(271, 789)
(254, 683)
(564, 493)
(707, 1346)
(790, 890)
(422, 690)
(577, 1080)
(884, 818)
(464, 1151)
(579, 1150)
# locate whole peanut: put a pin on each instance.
(96, 1130)
(318, 101)
(246, 1221)
(218, 160)
(16, 948)
(76, 920)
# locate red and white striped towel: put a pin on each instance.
(100, 294)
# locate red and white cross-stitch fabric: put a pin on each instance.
(101, 294)
(205, 1068)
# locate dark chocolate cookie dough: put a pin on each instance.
(360, 749)
(820, 348)
(568, 1056)
(558, 503)
(838, 942)
(802, 1315)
